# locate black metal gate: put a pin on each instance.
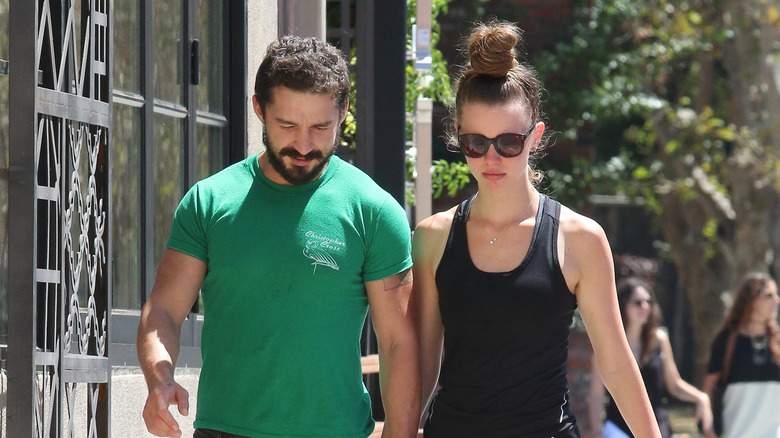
(59, 297)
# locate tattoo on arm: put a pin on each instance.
(398, 280)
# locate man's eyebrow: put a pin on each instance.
(322, 124)
(283, 121)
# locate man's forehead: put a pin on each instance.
(285, 99)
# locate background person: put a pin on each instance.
(751, 402)
(498, 277)
(289, 248)
(653, 352)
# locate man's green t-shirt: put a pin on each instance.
(284, 300)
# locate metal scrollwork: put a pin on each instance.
(72, 193)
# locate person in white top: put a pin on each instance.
(751, 401)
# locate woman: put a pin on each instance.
(653, 352)
(498, 277)
(751, 402)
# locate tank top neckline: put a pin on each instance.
(463, 217)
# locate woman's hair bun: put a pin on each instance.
(491, 48)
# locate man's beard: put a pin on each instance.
(296, 175)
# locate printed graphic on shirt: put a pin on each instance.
(319, 249)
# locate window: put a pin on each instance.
(172, 123)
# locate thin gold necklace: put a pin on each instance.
(493, 240)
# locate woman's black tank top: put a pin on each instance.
(653, 377)
(506, 337)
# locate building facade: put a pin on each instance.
(109, 111)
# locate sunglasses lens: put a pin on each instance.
(510, 145)
(507, 145)
(473, 145)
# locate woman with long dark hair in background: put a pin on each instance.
(652, 350)
(749, 347)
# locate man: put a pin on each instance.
(288, 247)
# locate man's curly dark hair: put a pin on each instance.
(303, 64)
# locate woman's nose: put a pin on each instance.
(492, 151)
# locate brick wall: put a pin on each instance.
(579, 368)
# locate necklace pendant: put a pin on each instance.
(759, 342)
(492, 240)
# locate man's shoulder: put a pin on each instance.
(239, 169)
(230, 178)
(348, 171)
(357, 182)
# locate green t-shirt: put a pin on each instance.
(284, 300)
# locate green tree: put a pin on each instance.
(446, 176)
(434, 84)
(680, 102)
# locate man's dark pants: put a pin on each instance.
(208, 433)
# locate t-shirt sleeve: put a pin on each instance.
(717, 353)
(188, 233)
(389, 249)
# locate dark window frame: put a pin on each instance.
(233, 116)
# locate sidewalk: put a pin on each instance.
(128, 395)
(683, 420)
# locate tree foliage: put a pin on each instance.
(434, 84)
(679, 101)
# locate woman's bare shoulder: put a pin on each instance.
(572, 222)
(430, 236)
(438, 222)
(584, 254)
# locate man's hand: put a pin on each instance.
(179, 277)
(159, 421)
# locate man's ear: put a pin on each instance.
(344, 113)
(258, 110)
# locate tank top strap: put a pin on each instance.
(458, 227)
(552, 208)
(464, 209)
(550, 217)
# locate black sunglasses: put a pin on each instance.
(507, 145)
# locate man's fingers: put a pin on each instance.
(165, 422)
(158, 427)
(157, 415)
(165, 428)
(183, 401)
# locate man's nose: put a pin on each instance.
(303, 142)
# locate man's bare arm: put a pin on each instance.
(176, 287)
(399, 372)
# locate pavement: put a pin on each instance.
(128, 395)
